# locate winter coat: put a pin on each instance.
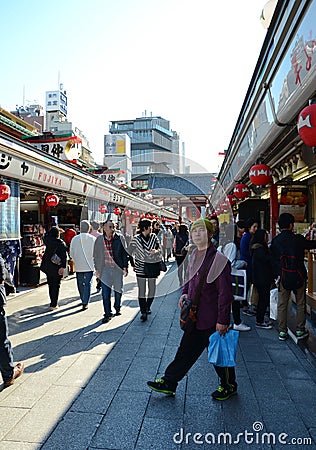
(180, 242)
(297, 243)
(216, 297)
(53, 245)
(120, 255)
(263, 265)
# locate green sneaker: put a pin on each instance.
(160, 385)
(301, 334)
(223, 393)
(283, 335)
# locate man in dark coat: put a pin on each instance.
(294, 244)
(8, 371)
(111, 264)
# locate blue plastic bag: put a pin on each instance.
(222, 349)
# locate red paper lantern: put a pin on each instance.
(51, 200)
(103, 209)
(232, 199)
(117, 211)
(306, 125)
(241, 191)
(148, 216)
(4, 192)
(142, 216)
(127, 212)
(136, 214)
(260, 175)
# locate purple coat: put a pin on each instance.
(216, 296)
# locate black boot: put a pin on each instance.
(148, 304)
(143, 309)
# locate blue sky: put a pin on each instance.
(189, 62)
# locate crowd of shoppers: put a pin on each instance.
(243, 246)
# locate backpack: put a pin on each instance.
(291, 277)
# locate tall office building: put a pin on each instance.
(154, 147)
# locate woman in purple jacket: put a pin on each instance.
(213, 313)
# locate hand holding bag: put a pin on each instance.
(222, 349)
(55, 259)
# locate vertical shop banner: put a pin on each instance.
(10, 213)
(294, 201)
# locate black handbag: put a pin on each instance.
(152, 270)
(188, 313)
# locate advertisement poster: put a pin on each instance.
(294, 201)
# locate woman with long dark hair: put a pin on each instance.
(262, 273)
(54, 272)
(144, 250)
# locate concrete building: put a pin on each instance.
(154, 146)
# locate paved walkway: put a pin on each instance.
(84, 385)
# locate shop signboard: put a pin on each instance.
(294, 201)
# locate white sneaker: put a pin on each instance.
(241, 327)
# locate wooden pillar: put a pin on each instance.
(274, 209)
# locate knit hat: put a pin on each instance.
(203, 223)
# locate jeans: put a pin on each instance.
(6, 355)
(111, 277)
(84, 280)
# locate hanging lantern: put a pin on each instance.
(142, 216)
(51, 200)
(148, 216)
(241, 191)
(4, 191)
(127, 212)
(260, 175)
(267, 13)
(117, 210)
(232, 199)
(135, 214)
(307, 125)
(103, 209)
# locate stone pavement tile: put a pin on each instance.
(262, 370)
(121, 424)
(157, 434)
(253, 350)
(75, 431)
(137, 374)
(99, 392)
(162, 406)
(24, 395)
(202, 415)
(38, 423)
(152, 346)
(9, 417)
(81, 370)
(303, 394)
(10, 445)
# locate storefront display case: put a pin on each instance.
(32, 253)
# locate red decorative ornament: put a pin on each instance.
(117, 211)
(127, 212)
(142, 216)
(51, 200)
(5, 191)
(260, 175)
(306, 125)
(148, 216)
(241, 191)
(232, 199)
(103, 209)
(135, 214)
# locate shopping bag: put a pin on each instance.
(239, 284)
(222, 349)
(274, 304)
